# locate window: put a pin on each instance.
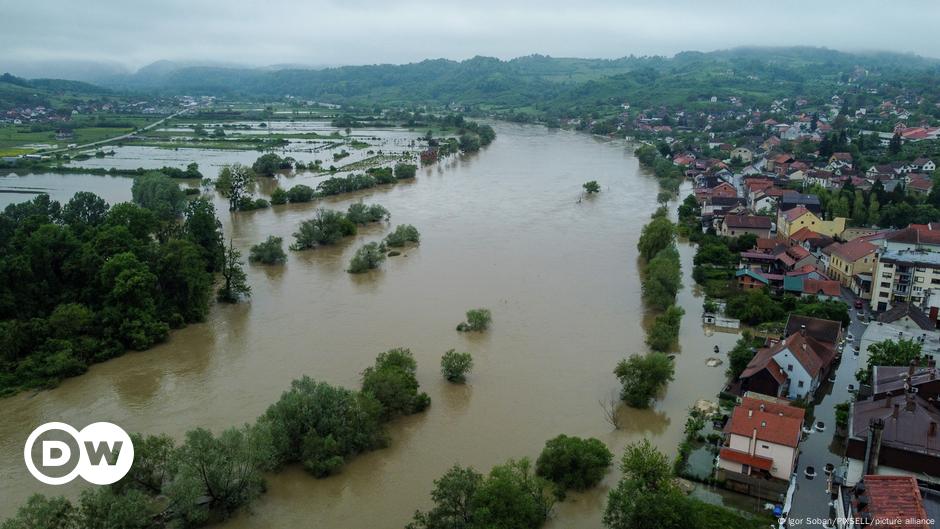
(919, 279)
(765, 447)
(935, 281)
(920, 269)
(789, 367)
(882, 294)
(888, 285)
(887, 265)
(799, 384)
(886, 275)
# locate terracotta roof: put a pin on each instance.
(818, 286)
(764, 243)
(797, 252)
(754, 461)
(748, 221)
(812, 354)
(854, 250)
(775, 423)
(804, 234)
(916, 234)
(893, 501)
(825, 331)
(795, 213)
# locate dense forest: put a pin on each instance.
(84, 281)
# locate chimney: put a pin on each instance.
(803, 330)
(910, 368)
(889, 400)
(897, 408)
(932, 430)
(750, 413)
(873, 445)
(909, 402)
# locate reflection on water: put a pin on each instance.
(502, 229)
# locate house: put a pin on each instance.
(889, 502)
(749, 279)
(794, 367)
(810, 202)
(909, 317)
(924, 165)
(919, 184)
(743, 153)
(761, 446)
(735, 225)
(848, 259)
(792, 220)
(840, 160)
(823, 289)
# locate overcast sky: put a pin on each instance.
(317, 32)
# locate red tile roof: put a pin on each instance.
(917, 234)
(895, 499)
(795, 213)
(754, 461)
(804, 234)
(818, 286)
(775, 423)
(854, 250)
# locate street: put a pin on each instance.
(811, 500)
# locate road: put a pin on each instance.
(121, 137)
(811, 500)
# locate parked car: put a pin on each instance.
(859, 303)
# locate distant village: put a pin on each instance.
(774, 178)
(40, 114)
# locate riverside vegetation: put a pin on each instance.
(209, 476)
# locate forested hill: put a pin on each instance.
(543, 81)
(16, 91)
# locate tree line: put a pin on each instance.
(208, 476)
(85, 281)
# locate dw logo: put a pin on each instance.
(101, 453)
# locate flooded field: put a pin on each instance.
(502, 229)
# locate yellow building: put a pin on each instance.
(798, 217)
(847, 260)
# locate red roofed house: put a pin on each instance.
(761, 447)
(822, 289)
(889, 502)
(852, 258)
(919, 184)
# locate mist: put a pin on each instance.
(124, 36)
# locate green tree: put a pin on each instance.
(455, 366)
(101, 508)
(405, 170)
(299, 193)
(368, 257)
(740, 356)
(646, 494)
(393, 382)
(643, 377)
(477, 320)
(513, 497)
(573, 463)
(234, 183)
(41, 512)
(453, 498)
(278, 197)
(665, 330)
(183, 281)
(591, 187)
(235, 284)
(402, 235)
(203, 228)
(360, 213)
(890, 353)
(267, 164)
(327, 227)
(159, 194)
(656, 236)
(271, 251)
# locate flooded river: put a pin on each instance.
(501, 229)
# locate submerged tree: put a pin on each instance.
(592, 187)
(234, 183)
(236, 282)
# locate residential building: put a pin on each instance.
(761, 447)
(792, 220)
(907, 267)
(736, 225)
(889, 502)
(849, 259)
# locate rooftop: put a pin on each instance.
(775, 423)
(894, 499)
(911, 257)
(907, 421)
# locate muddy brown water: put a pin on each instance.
(501, 229)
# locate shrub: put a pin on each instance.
(592, 187)
(665, 330)
(477, 320)
(363, 214)
(643, 377)
(574, 463)
(368, 257)
(382, 175)
(403, 234)
(268, 252)
(300, 193)
(327, 227)
(455, 366)
(405, 170)
(278, 197)
(393, 382)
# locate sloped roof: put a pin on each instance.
(804, 234)
(825, 331)
(748, 221)
(900, 310)
(823, 287)
(775, 423)
(908, 431)
(743, 458)
(854, 250)
(916, 234)
(751, 273)
(795, 212)
(895, 502)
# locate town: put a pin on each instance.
(815, 229)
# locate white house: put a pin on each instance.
(763, 437)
